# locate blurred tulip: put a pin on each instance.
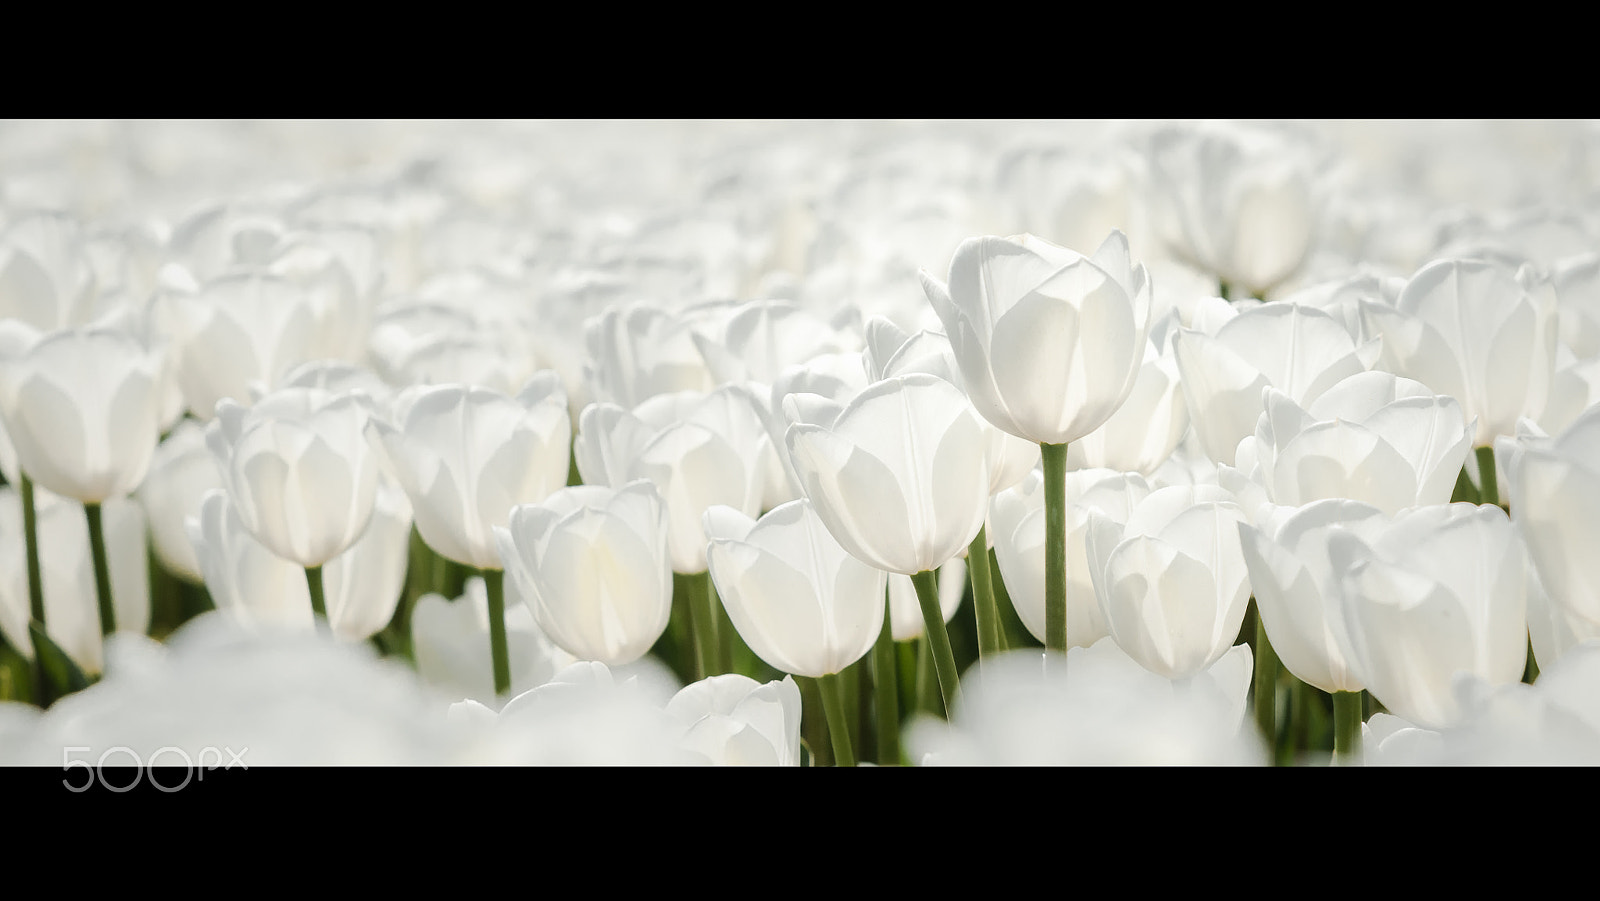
(1374, 437)
(1555, 488)
(699, 450)
(1100, 709)
(1049, 341)
(1172, 581)
(800, 602)
(1478, 333)
(1144, 432)
(81, 409)
(237, 331)
(592, 564)
(639, 351)
(1439, 591)
(448, 638)
(1240, 202)
(466, 456)
(1299, 350)
(736, 721)
(182, 472)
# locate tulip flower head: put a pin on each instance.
(82, 409)
(899, 474)
(800, 602)
(592, 564)
(466, 456)
(1049, 341)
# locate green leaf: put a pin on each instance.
(63, 675)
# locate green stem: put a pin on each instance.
(319, 603)
(30, 533)
(944, 659)
(838, 726)
(1266, 688)
(1487, 477)
(812, 728)
(702, 623)
(991, 637)
(1530, 670)
(886, 694)
(102, 569)
(494, 581)
(1055, 546)
(927, 686)
(723, 626)
(1224, 290)
(1346, 727)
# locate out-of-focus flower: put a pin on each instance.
(800, 602)
(699, 450)
(1439, 591)
(1239, 202)
(1555, 488)
(639, 351)
(1374, 437)
(237, 331)
(1100, 708)
(587, 715)
(592, 564)
(1144, 432)
(1049, 341)
(82, 410)
(736, 721)
(182, 472)
(66, 573)
(1172, 581)
(281, 699)
(46, 277)
(899, 475)
(299, 470)
(1299, 350)
(448, 638)
(1476, 332)
(466, 456)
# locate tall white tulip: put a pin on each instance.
(1478, 333)
(299, 470)
(1049, 341)
(900, 476)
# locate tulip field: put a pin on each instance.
(798, 443)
